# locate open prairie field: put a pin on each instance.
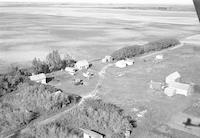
(32, 31)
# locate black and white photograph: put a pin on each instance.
(99, 68)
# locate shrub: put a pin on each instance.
(39, 66)
(127, 52)
(9, 82)
(160, 44)
(54, 61)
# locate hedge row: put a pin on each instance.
(132, 51)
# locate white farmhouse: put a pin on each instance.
(82, 64)
(121, 64)
(174, 77)
(91, 134)
(40, 78)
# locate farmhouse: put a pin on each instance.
(121, 64)
(71, 70)
(174, 77)
(41, 78)
(91, 134)
(107, 59)
(181, 88)
(82, 64)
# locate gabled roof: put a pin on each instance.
(38, 77)
(82, 63)
(181, 86)
(92, 133)
(173, 77)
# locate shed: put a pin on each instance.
(129, 62)
(181, 88)
(159, 57)
(156, 85)
(82, 64)
(91, 134)
(170, 91)
(40, 78)
(121, 64)
(174, 77)
(107, 59)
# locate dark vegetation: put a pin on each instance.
(136, 50)
(31, 101)
(9, 82)
(95, 115)
(53, 63)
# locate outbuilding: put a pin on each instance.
(91, 134)
(129, 62)
(173, 77)
(170, 91)
(82, 64)
(121, 64)
(71, 70)
(156, 85)
(181, 88)
(107, 59)
(40, 78)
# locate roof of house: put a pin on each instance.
(92, 133)
(121, 64)
(82, 63)
(173, 76)
(181, 86)
(38, 76)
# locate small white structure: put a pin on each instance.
(107, 59)
(70, 70)
(156, 85)
(129, 62)
(91, 134)
(121, 64)
(159, 57)
(82, 64)
(128, 133)
(181, 88)
(174, 77)
(170, 91)
(40, 78)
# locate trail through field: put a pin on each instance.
(94, 93)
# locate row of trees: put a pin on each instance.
(53, 62)
(136, 50)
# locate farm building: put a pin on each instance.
(71, 70)
(170, 91)
(174, 77)
(156, 85)
(107, 59)
(181, 88)
(41, 78)
(91, 134)
(129, 62)
(82, 64)
(121, 64)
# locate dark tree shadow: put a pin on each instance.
(189, 123)
(49, 79)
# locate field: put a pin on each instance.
(93, 32)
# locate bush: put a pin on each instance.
(9, 82)
(160, 44)
(39, 66)
(54, 61)
(127, 52)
